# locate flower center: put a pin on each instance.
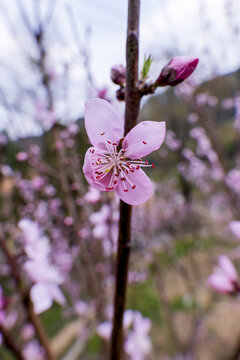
(111, 166)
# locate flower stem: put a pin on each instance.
(132, 98)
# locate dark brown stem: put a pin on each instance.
(236, 352)
(40, 331)
(10, 344)
(133, 98)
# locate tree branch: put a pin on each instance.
(132, 98)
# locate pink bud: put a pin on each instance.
(177, 70)
(118, 74)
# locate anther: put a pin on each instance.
(133, 187)
(144, 142)
(102, 133)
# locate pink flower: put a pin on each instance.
(113, 163)
(177, 70)
(225, 278)
(235, 228)
(43, 295)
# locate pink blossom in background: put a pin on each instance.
(192, 118)
(171, 141)
(138, 343)
(45, 276)
(104, 330)
(37, 182)
(233, 180)
(27, 332)
(92, 196)
(228, 103)
(21, 156)
(33, 351)
(235, 228)
(68, 221)
(3, 139)
(43, 295)
(3, 304)
(82, 308)
(225, 278)
(36, 245)
(108, 168)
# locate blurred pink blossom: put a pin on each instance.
(225, 278)
(21, 156)
(92, 196)
(27, 332)
(33, 351)
(44, 275)
(233, 180)
(138, 343)
(235, 228)
(109, 169)
(68, 221)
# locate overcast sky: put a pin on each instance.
(207, 29)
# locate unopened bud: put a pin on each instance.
(120, 94)
(118, 74)
(177, 70)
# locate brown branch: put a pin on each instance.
(35, 320)
(133, 98)
(10, 344)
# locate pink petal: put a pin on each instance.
(56, 294)
(104, 330)
(89, 173)
(102, 118)
(141, 193)
(220, 283)
(235, 228)
(40, 297)
(145, 137)
(227, 266)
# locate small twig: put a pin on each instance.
(10, 344)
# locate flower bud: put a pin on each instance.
(118, 74)
(120, 94)
(177, 70)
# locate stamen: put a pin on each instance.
(108, 164)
